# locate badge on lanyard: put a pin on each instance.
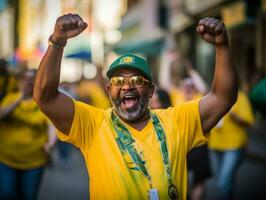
(125, 140)
(172, 192)
(153, 194)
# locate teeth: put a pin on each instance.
(129, 96)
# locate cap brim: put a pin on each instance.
(111, 71)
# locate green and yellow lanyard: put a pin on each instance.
(126, 143)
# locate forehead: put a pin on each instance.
(127, 72)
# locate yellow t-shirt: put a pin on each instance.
(23, 134)
(178, 97)
(114, 177)
(95, 93)
(228, 135)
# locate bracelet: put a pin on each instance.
(53, 44)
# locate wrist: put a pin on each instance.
(223, 46)
(57, 43)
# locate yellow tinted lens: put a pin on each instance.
(137, 81)
(117, 81)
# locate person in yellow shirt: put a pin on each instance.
(4, 77)
(227, 144)
(132, 152)
(24, 141)
(179, 79)
(184, 84)
(160, 99)
(89, 91)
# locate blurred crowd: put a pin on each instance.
(27, 138)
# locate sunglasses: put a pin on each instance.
(135, 81)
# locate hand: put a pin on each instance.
(212, 31)
(47, 148)
(172, 55)
(68, 26)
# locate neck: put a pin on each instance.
(140, 123)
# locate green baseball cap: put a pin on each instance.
(130, 61)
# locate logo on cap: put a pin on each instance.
(126, 60)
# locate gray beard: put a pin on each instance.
(134, 114)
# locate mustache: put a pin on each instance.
(131, 93)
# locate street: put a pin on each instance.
(72, 183)
(65, 184)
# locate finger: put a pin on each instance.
(80, 23)
(209, 22)
(207, 37)
(71, 22)
(77, 17)
(200, 29)
(203, 21)
(60, 23)
(210, 25)
(214, 23)
(219, 28)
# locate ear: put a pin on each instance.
(151, 90)
(108, 88)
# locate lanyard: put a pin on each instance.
(126, 143)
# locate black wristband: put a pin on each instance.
(56, 45)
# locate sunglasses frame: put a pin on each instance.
(129, 80)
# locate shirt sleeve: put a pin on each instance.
(189, 124)
(86, 121)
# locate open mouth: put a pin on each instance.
(129, 101)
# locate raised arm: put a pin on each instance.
(165, 71)
(198, 81)
(58, 107)
(224, 89)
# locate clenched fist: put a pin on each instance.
(213, 31)
(68, 26)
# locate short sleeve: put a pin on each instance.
(189, 124)
(86, 121)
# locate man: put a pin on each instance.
(130, 151)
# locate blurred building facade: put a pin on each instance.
(138, 26)
(145, 33)
(27, 24)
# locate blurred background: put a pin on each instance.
(149, 28)
(138, 26)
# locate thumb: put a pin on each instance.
(82, 25)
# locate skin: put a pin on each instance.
(60, 108)
(137, 116)
(26, 88)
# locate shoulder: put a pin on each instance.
(87, 111)
(188, 108)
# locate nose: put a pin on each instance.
(127, 85)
